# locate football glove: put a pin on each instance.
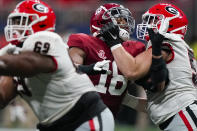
(95, 68)
(156, 40)
(110, 33)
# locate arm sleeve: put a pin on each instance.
(75, 41)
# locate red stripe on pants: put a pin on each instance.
(187, 124)
(91, 124)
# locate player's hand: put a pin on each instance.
(110, 33)
(156, 40)
(8, 49)
(101, 67)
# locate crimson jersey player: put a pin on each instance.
(86, 49)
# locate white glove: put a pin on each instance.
(124, 35)
(102, 65)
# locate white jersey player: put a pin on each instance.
(175, 107)
(61, 98)
(181, 89)
(171, 79)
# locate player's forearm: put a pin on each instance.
(125, 62)
(25, 64)
(130, 67)
(142, 105)
(8, 90)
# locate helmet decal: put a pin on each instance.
(172, 10)
(40, 8)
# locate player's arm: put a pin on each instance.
(159, 71)
(132, 68)
(26, 64)
(78, 56)
(8, 90)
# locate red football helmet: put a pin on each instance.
(28, 17)
(156, 14)
(111, 12)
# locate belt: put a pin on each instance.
(163, 125)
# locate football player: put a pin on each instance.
(172, 79)
(61, 98)
(86, 50)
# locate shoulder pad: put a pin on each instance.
(44, 42)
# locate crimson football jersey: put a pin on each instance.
(111, 87)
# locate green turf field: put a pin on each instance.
(131, 128)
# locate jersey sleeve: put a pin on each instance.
(45, 43)
(134, 47)
(50, 44)
(77, 40)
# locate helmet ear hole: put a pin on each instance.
(42, 26)
(102, 22)
(98, 23)
(170, 26)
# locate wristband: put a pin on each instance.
(88, 69)
(159, 72)
(130, 101)
(156, 49)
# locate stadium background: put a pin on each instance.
(72, 17)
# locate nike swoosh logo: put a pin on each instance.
(114, 37)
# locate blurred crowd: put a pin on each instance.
(74, 15)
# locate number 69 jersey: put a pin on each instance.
(111, 87)
(55, 93)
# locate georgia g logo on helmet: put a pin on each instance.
(40, 8)
(172, 10)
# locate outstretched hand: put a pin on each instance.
(110, 33)
(156, 40)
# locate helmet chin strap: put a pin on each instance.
(177, 29)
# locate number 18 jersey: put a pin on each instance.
(111, 87)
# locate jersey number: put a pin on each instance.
(41, 47)
(114, 81)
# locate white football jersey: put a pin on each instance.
(55, 93)
(181, 90)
